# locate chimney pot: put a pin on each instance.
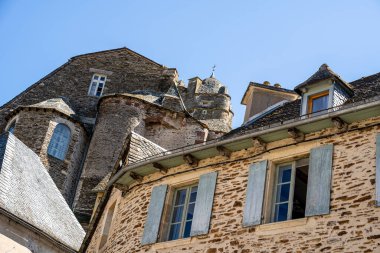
(277, 85)
(266, 83)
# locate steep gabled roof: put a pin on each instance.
(324, 72)
(28, 192)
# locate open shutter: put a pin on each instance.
(203, 204)
(319, 181)
(156, 206)
(255, 194)
(378, 170)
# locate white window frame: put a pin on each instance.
(97, 82)
(274, 187)
(184, 214)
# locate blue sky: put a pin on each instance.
(278, 41)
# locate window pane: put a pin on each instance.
(283, 193)
(174, 231)
(186, 233)
(284, 173)
(96, 77)
(193, 195)
(180, 198)
(59, 141)
(320, 103)
(281, 212)
(177, 214)
(190, 211)
(103, 78)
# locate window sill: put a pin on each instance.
(283, 225)
(170, 244)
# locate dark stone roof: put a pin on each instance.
(140, 148)
(363, 88)
(60, 104)
(28, 192)
(324, 72)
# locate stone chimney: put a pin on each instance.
(259, 98)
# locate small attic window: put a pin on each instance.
(97, 85)
(318, 102)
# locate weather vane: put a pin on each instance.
(213, 70)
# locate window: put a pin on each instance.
(97, 85)
(318, 102)
(59, 141)
(182, 212)
(290, 190)
(107, 226)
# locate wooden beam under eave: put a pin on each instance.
(191, 160)
(339, 123)
(259, 143)
(224, 151)
(296, 134)
(160, 168)
(136, 176)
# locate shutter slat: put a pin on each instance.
(203, 204)
(156, 206)
(255, 194)
(319, 181)
(378, 170)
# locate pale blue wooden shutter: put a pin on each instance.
(255, 194)
(153, 220)
(378, 170)
(319, 181)
(203, 204)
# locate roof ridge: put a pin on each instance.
(117, 49)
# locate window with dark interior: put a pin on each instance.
(97, 85)
(59, 142)
(290, 189)
(182, 212)
(318, 102)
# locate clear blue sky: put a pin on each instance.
(278, 41)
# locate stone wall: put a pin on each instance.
(35, 128)
(353, 224)
(118, 116)
(126, 71)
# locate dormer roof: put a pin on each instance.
(324, 72)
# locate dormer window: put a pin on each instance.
(97, 85)
(318, 102)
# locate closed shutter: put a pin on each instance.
(156, 206)
(378, 170)
(203, 204)
(319, 181)
(255, 194)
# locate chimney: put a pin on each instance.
(259, 98)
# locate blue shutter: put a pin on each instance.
(255, 194)
(203, 204)
(319, 181)
(153, 220)
(378, 170)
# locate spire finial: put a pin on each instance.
(213, 70)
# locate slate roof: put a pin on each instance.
(59, 104)
(140, 148)
(324, 72)
(28, 192)
(363, 88)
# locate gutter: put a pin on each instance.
(375, 101)
(37, 231)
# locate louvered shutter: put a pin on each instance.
(255, 194)
(203, 204)
(378, 170)
(156, 206)
(319, 181)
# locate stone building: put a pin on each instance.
(80, 117)
(301, 176)
(34, 216)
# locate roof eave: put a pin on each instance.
(350, 113)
